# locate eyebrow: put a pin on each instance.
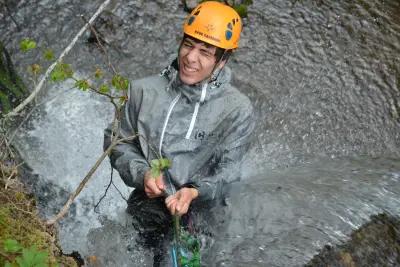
(192, 40)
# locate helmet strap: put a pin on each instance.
(215, 73)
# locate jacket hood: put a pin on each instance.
(193, 93)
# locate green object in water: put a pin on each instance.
(187, 246)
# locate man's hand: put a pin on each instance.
(178, 204)
(153, 186)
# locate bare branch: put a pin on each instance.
(60, 58)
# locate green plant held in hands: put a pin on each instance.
(27, 44)
(158, 165)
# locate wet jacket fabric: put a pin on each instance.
(204, 129)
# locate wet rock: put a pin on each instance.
(376, 243)
(12, 89)
(107, 27)
(239, 6)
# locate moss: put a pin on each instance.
(5, 105)
(19, 221)
(241, 10)
(12, 89)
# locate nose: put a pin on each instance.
(193, 55)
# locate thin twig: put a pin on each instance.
(105, 193)
(93, 30)
(37, 89)
(82, 184)
(14, 172)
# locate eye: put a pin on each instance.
(206, 53)
(187, 44)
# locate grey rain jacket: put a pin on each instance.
(204, 129)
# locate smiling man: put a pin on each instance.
(191, 115)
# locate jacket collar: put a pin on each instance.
(193, 92)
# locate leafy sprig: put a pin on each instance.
(158, 165)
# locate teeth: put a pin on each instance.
(189, 69)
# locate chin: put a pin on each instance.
(188, 80)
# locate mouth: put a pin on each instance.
(188, 69)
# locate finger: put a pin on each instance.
(172, 207)
(169, 199)
(152, 187)
(182, 209)
(170, 203)
(160, 182)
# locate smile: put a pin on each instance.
(188, 69)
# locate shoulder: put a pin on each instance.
(237, 100)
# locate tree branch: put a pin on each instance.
(82, 184)
(60, 58)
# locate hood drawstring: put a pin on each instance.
(196, 110)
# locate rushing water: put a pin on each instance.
(324, 77)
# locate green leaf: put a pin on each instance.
(27, 44)
(11, 245)
(8, 264)
(32, 258)
(119, 82)
(123, 99)
(48, 54)
(82, 85)
(158, 165)
(104, 88)
(165, 163)
(155, 168)
(61, 72)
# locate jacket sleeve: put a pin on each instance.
(127, 158)
(235, 145)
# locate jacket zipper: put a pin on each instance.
(171, 107)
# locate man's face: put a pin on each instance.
(196, 61)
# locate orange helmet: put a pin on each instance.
(214, 23)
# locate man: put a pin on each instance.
(189, 114)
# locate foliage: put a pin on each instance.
(189, 251)
(241, 10)
(158, 165)
(48, 54)
(61, 72)
(24, 239)
(119, 82)
(27, 257)
(27, 44)
(82, 85)
(241, 7)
